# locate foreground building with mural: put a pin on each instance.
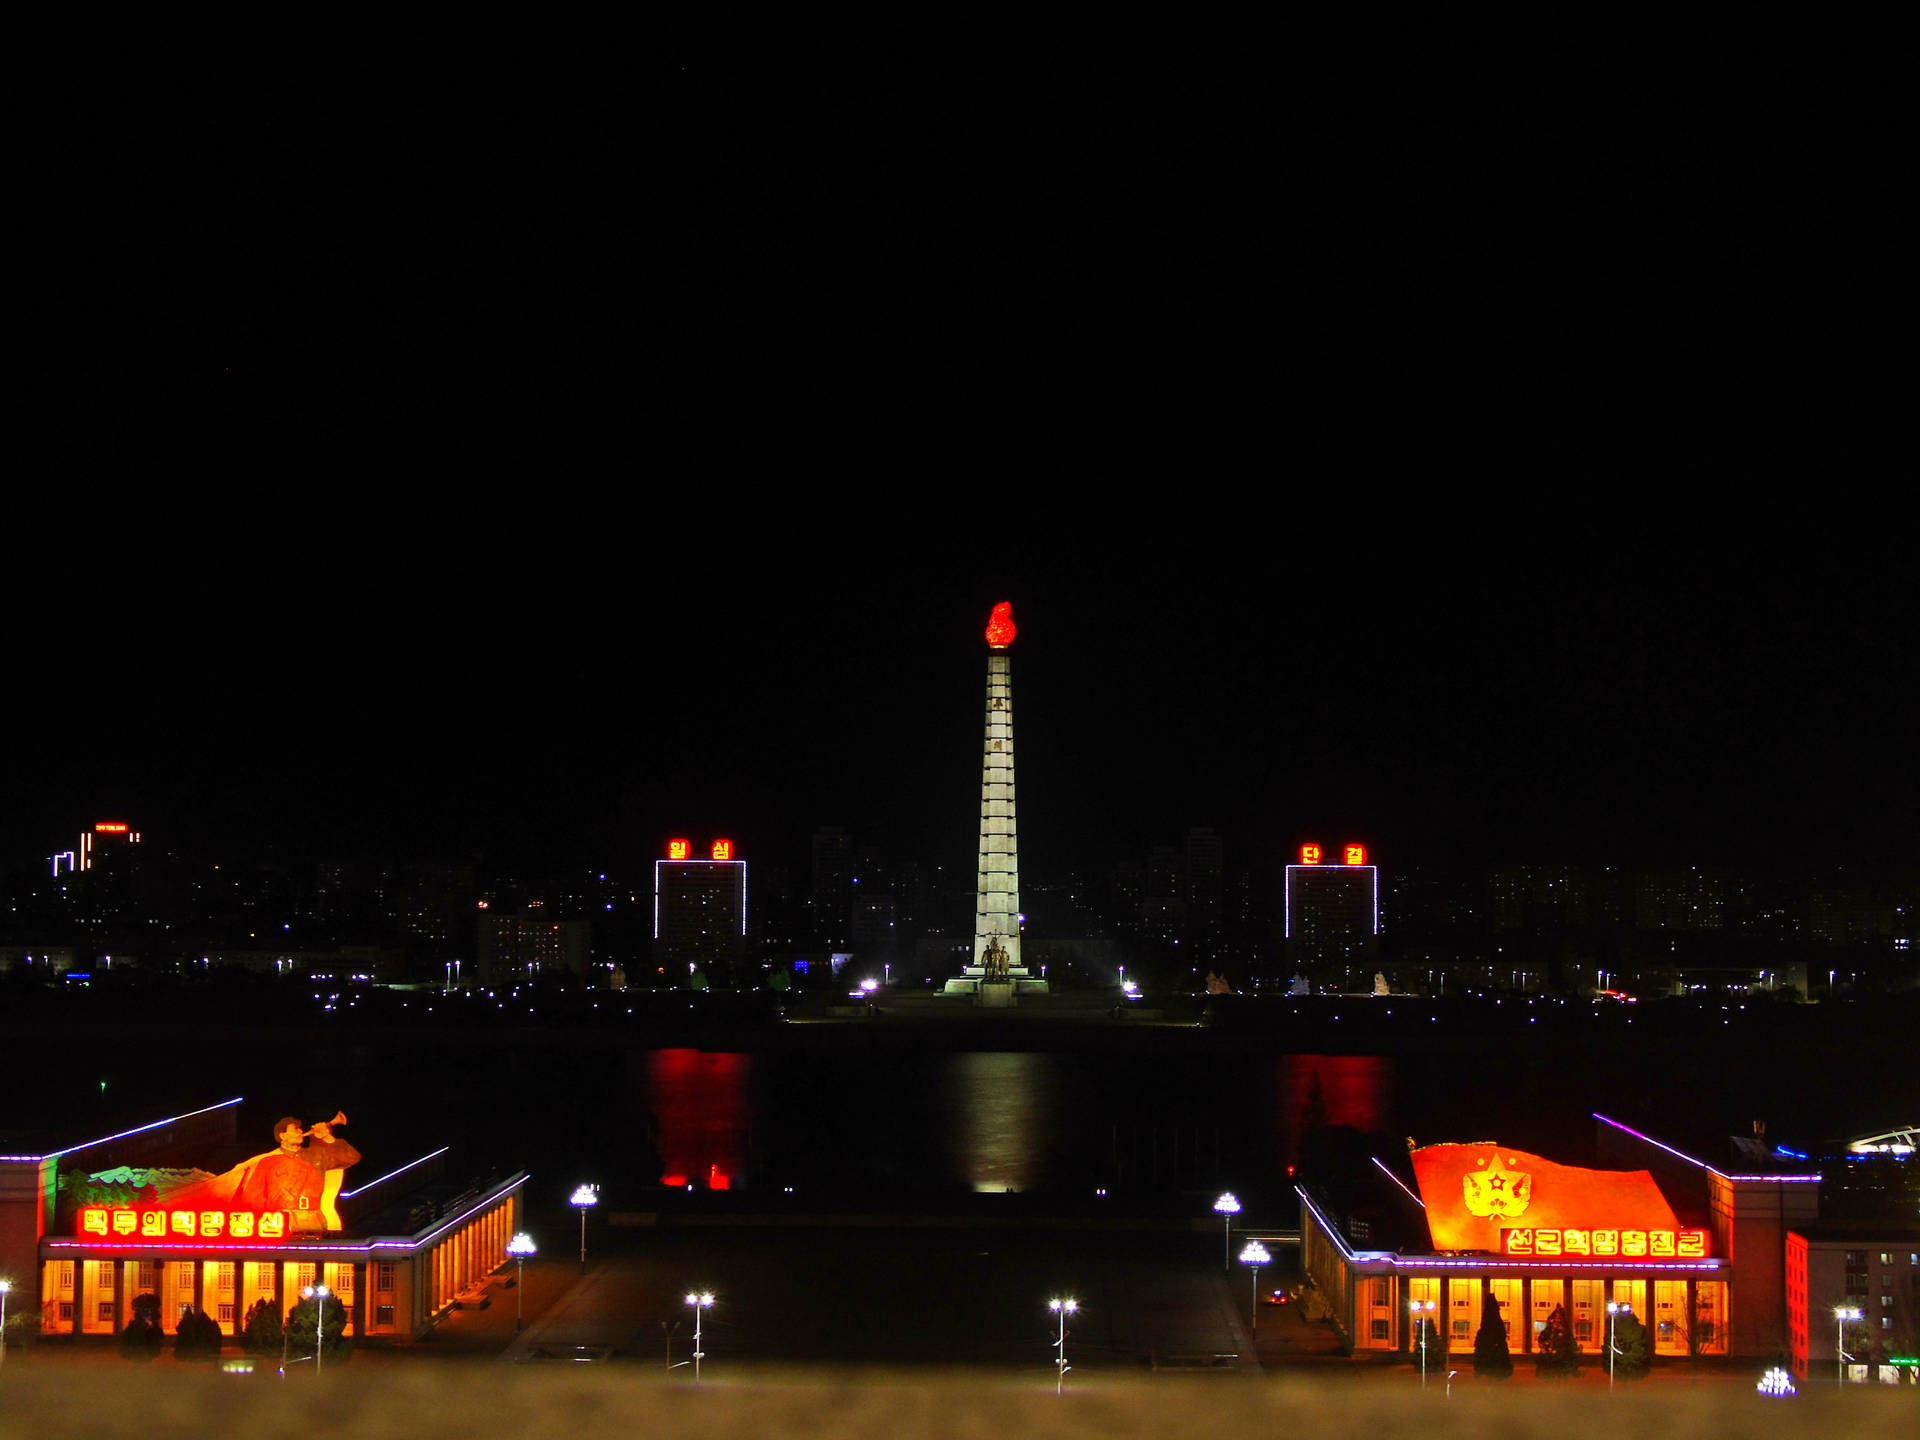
(1711, 1262)
(86, 1228)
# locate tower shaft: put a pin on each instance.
(997, 893)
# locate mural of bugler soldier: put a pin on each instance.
(300, 1178)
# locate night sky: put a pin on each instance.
(1489, 458)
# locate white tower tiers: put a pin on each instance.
(996, 909)
(997, 892)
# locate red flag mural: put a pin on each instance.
(1473, 1192)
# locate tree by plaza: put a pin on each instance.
(1491, 1358)
(1630, 1360)
(1431, 1338)
(1557, 1353)
(143, 1338)
(196, 1337)
(301, 1322)
(261, 1334)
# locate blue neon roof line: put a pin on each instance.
(349, 1194)
(1682, 1155)
(1402, 1184)
(138, 1129)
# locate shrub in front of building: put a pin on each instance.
(1629, 1347)
(262, 1332)
(197, 1337)
(302, 1321)
(1491, 1358)
(1557, 1355)
(143, 1337)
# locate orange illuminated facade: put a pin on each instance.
(414, 1241)
(1000, 630)
(1482, 1220)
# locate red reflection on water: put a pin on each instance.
(700, 1100)
(1315, 1090)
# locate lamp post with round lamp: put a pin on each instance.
(318, 1294)
(1423, 1312)
(1062, 1308)
(699, 1302)
(520, 1247)
(1614, 1310)
(1841, 1315)
(1255, 1255)
(1228, 1206)
(584, 1199)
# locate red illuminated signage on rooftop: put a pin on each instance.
(723, 849)
(159, 1222)
(1309, 854)
(677, 850)
(111, 827)
(1000, 630)
(1356, 854)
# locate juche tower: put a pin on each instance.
(996, 916)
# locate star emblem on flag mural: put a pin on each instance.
(1497, 1190)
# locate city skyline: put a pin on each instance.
(1636, 725)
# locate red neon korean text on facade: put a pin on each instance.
(723, 849)
(1604, 1243)
(157, 1222)
(110, 827)
(678, 849)
(1355, 854)
(1310, 854)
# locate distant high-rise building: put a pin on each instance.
(1689, 899)
(1205, 866)
(1164, 911)
(520, 948)
(1332, 907)
(830, 894)
(108, 843)
(699, 915)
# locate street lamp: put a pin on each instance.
(1228, 1206)
(1255, 1255)
(702, 1301)
(1841, 1314)
(584, 1199)
(1613, 1310)
(520, 1246)
(318, 1294)
(1423, 1311)
(1062, 1308)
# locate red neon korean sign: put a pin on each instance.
(1355, 854)
(1628, 1244)
(677, 849)
(110, 827)
(723, 849)
(158, 1222)
(1310, 854)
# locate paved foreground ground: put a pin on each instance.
(904, 1297)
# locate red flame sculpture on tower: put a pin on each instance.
(1000, 626)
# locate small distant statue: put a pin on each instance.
(1380, 984)
(1217, 984)
(997, 963)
